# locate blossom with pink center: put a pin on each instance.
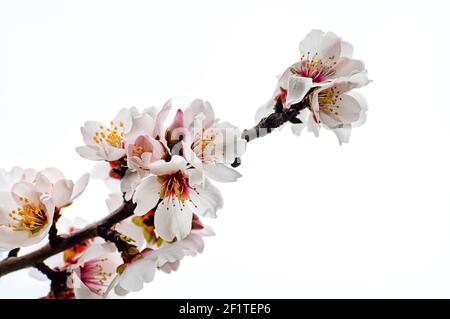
(132, 275)
(176, 192)
(143, 152)
(325, 59)
(94, 271)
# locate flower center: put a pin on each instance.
(175, 185)
(204, 146)
(28, 218)
(93, 275)
(327, 101)
(317, 69)
(113, 135)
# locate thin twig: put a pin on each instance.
(14, 252)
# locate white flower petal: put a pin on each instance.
(62, 193)
(311, 42)
(298, 87)
(147, 195)
(207, 198)
(162, 167)
(173, 219)
(221, 173)
(80, 186)
(89, 152)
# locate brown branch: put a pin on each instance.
(266, 125)
(58, 278)
(102, 228)
(34, 258)
(123, 243)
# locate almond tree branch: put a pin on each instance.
(102, 228)
(36, 257)
(276, 119)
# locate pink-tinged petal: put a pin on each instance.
(142, 125)
(62, 193)
(162, 167)
(89, 152)
(173, 219)
(80, 186)
(170, 267)
(346, 49)
(178, 121)
(147, 195)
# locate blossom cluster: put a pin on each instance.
(166, 166)
(324, 78)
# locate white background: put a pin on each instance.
(309, 218)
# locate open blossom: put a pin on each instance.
(26, 214)
(210, 144)
(339, 109)
(177, 192)
(94, 271)
(105, 142)
(62, 191)
(142, 268)
(325, 62)
(145, 141)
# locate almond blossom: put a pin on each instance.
(339, 109)
(210, 144)
(26, 214)
(176, 192)
(324, 59)
(132, 275)
(62, 191)
(105, 142)
(94, 271)
(160, 177)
